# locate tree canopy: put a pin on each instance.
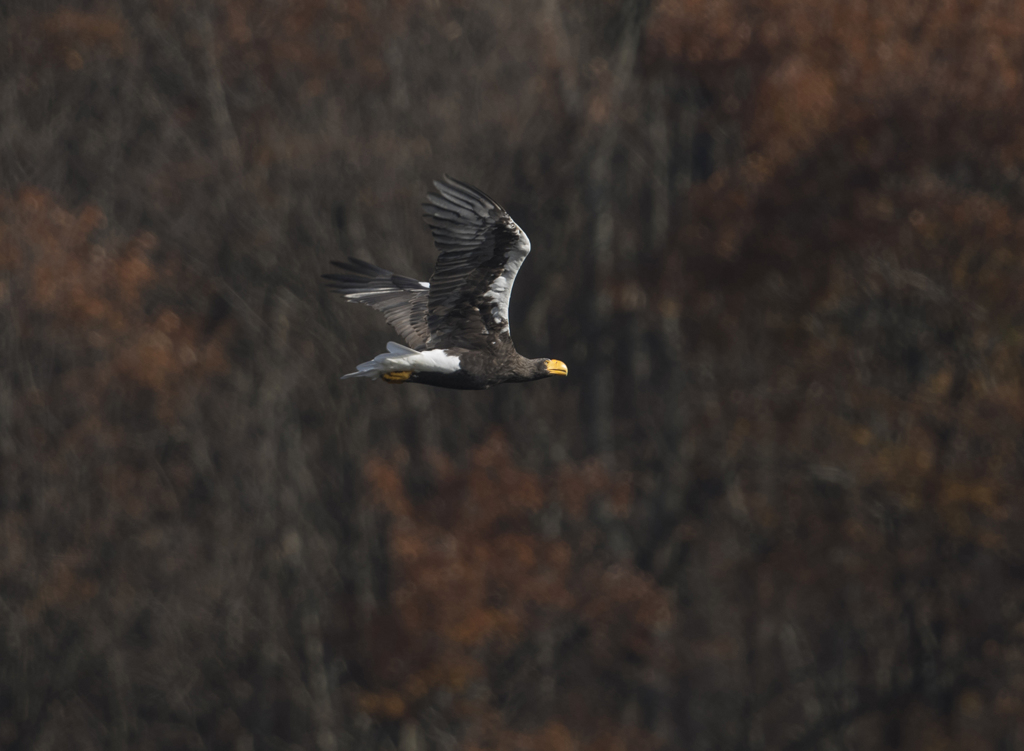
(776, 505)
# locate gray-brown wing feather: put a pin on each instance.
(481, 250)
(402, 300)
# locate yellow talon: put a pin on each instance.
(397, 376)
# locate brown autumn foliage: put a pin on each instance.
(775, 506)
(478, 590)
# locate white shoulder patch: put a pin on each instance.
(500, 289)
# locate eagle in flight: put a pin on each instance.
(456, 325)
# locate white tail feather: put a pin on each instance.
(400, 349)
(400, 358)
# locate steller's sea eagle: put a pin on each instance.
(456, 325)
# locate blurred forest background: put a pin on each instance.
(776, 505)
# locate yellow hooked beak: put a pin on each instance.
(556, 367)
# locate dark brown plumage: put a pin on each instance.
(457, 324)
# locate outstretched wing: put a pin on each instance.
(481, 250)
(402, 300)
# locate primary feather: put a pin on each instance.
(457, 324)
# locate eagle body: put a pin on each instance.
(455, 325)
